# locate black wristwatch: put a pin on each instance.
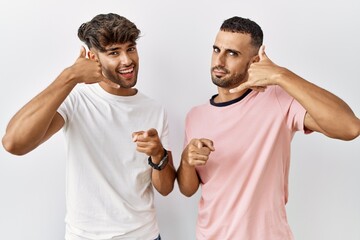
(161, 164)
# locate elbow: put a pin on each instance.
(164, 194)
(353, 131)
(186, 191)
(167, 191)
(347, 132)
(351, 137)
(12, 147)
(187, 194)
(348, 136)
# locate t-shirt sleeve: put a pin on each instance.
(186, 138)
(165, 138)
(293, 111)
(67, 107)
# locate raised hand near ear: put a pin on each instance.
(88, 71)
(261, 74)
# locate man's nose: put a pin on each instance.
(125, 59)
(219, 60)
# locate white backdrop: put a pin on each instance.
(319, 40)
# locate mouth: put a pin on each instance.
(127, 72)
(219, 73)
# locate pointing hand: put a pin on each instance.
(148, 142)
(197, 151)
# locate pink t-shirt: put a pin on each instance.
(245, 181)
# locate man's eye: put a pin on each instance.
(113, 53)
(231, 53)
(216, 50)
(132, 49)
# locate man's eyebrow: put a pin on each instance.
(117, 48)
(112, 49)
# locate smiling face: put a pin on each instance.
(232, 55)
(120, 63)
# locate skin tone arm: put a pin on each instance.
(38, 120)
(148, 142)
(196, 153)
(326, 113)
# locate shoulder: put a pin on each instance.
(148, 101)
(81, 89)
(201, 109)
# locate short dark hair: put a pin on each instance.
(106, 29)
(244, 25)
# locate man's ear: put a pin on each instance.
(255, 58)
(92, 56)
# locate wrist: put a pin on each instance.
(186, 164)
(156, 158)
(69, 77)
(160, 164)
(282, 76)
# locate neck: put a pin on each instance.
(118, 91)
(225, 96)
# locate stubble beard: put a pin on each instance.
(228, 82)
(123, 83)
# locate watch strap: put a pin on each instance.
(162, 162)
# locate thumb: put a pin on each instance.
(151, 132)
(196, 143)
(208, 143)
(262, 54)
(82, 52)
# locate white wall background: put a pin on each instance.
(319, 40)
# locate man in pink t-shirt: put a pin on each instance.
(237, 145)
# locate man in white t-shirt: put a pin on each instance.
(117, 139)
(237, 145)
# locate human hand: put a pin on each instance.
(148, 142)
(261, 74)
(88, 71)
(197, 152)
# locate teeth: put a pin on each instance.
(126, 71)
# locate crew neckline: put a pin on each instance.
(101, 92)
(228, 103)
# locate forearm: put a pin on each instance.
(188, 179)
(331, 114)
(164, 179)
(28, 127)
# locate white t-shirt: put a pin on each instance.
(109, 194)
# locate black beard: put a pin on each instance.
(228, 82)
